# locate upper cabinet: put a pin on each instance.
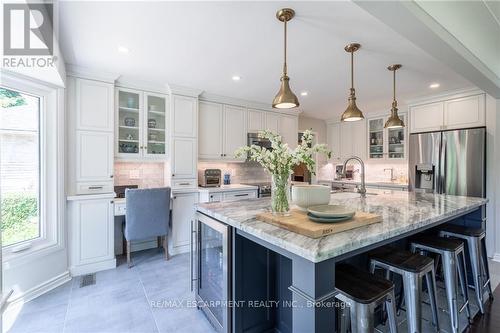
(346, 139)
(141, 124)
(184, 116)
(93, 100)
(255, 120)
(289, 130)
(272, 122)
(461, 112)
(234, 131)
(386, 143)
(333, 140)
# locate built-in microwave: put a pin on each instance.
(253, 139)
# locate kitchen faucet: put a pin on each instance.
(362, 188)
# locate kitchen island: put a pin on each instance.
(305, 267)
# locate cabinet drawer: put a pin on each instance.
(239, 195)
(184, 183)
(215, 197)
(95, 187)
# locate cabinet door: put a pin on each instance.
(182, 214)
(426, 118)
(155, 125)
(334, 141)
(184, 157)
(129, 123)
(396, 138)
(92, 231)
(345, 140)
(210, 133)
(255, 121)
(358, 138)
(465, 112)
(235, 124)
(94, 156)
(376, 138)
(289, 130)
(94, 105)
(272, 122)
(184, 116)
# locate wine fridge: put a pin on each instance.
(211, 270)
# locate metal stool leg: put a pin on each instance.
(412, 284)
(475, 258)
(430, 281)
(462, 275)
(450, 278)
(486, 268)
(390, 305)
(362, 320)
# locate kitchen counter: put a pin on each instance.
(389, 185)
(402, 212)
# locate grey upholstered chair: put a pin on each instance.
(147, 216)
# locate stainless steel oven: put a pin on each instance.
(253, 139)
(211, 270)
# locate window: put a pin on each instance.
(19, 166)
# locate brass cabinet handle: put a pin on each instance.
(95, 187)
(110, 176)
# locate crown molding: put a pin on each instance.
(451, 94)
(132, 83)
(208, 97)
(181, 90)
(92, 74)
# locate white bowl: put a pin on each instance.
(305, 196)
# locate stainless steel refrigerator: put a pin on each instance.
(451, 162)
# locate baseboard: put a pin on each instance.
(180, 249)
(41, 289)
(496, 257)
(93, 267)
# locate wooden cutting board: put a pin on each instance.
(299, 222)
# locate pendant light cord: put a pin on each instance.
(284, 51)
(352, 70)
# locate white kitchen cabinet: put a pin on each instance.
(333, 139)
(272, 122)
(93, 162)
(255, 121)
(358, 138)
(93, 100)
(184, 116)
(426, 118)
(460, 111)
(289, 130)
(141, 123)
(386, 143)
(184, 161)
(234, 132)
(210, 137)
(239, 195)
(465, 112)
(182, 214)
(91, 234)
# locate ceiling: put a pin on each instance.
(203, 44)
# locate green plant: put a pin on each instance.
(19, 217)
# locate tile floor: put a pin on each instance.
(124, 300)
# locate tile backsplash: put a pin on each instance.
(240, 172)
(374, 172)
(145, 175)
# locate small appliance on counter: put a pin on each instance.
(120, 190)
(227, 178)
(209, 177)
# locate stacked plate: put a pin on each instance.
(330, 213)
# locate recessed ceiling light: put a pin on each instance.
(122, 49)
(236, 78)
(434, 85)
(304, 93)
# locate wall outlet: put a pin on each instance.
(135, 174)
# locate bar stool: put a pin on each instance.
(412, 268)
(362, 292)
(476, 244)
(452, 254)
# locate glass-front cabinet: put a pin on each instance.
(386, 143)
(141, 120)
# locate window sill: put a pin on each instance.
(37, 249)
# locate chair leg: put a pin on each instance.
(475, 258)
(413, 289)
(390, 304)
(462, 275)
(129, 262)
(431, 289)
(362, 320)
(165, 247)
(486, 268)
(159, 241)
(450, 278)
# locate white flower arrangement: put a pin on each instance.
(281, 159)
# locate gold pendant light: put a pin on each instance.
(285, 99)
(394, 121)
(352, 113)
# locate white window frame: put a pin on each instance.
(52, 204)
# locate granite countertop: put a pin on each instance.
(367, 183)
(401, 212)
(229, 188)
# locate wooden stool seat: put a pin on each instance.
(359, 285)
(404, 260)
(461, 230)
(440, 243)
